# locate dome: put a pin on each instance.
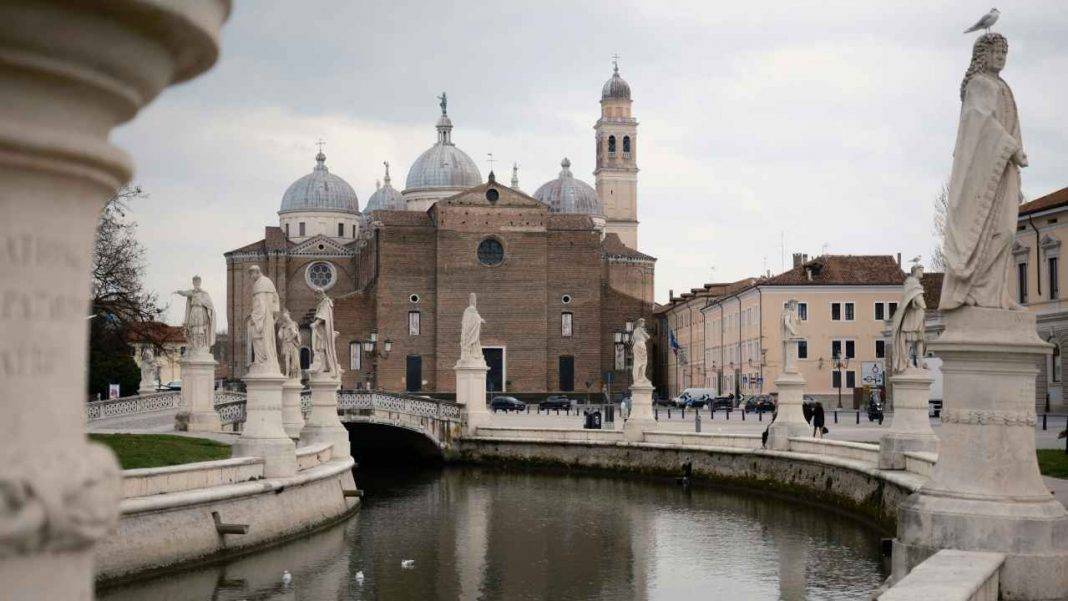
(443, 165)
(385, 198)
(566, 194)
(320, 190)
(615, 87)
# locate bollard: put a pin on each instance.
(656, 412)
(696, 421)
(558, 411)
(728, 412)
(669, 412)
(1043, 422)
(858, 416)
(684, 412)
(743, 414)
(836, 416)
(528, 409)
(760, 415)
(712, 413)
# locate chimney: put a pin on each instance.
(671, 295)
(798, 259)
(899, 260)
(804, 258)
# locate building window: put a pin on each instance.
(836, 379)
(880, 349)
(802, 349)
(626, 144)
(300, 228)
(490, 252)
(836, 311)
(851, 379)
(1054, 280)
(880, 309)
(1055, 359)
(849, 313)
(850, 349)
(1021, 282)
(413, 323)
(354, 355)
(320, 275)
(611, 144)
(354, 230)
(341, 230)
(802, 311)
(287, 230)
(565, 324)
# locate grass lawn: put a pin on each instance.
(1053, 462)
(157, 450)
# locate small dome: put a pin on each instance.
(320, 190)
(566, 194)
(385, 198)
(443, 165)
(615, 87)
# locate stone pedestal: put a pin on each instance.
(198, 393)
(641, 417)
(323, 423)
(985, 492)
(264, 435)
(292, 418)
(911, 429)
(471, 393)
(146, 387)
(789, 417)
(70, 74)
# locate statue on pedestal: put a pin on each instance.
(200, 319)
(323, 338)
(984, 187)
(789, 326)
(470, 334)
(261, 335)
(289, 345)
(908, 324)
(639, 339)
(148, 368)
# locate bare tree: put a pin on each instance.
(117, 290)
(941, 204)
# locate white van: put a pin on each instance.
(689, 394)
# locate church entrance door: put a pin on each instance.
(495, 360)
(413, 377)
(567, 373)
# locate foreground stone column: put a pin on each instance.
(471, 393)
(263, 435)
(910, 430)
(292, 417)
(323, 423)
(641, 416)
(986, 493)
(69, 73)
(198, 394)
(790, 418)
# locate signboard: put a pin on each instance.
(872, 373)
(113, 391)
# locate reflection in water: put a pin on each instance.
(480, 534)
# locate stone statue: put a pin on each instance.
(908, 323)
(200, 318)
(639, 339)
(790, 333)
(984, 187)
(470, 333)
(324, 338)
(289, 345)
(148, 368)
(261, 334)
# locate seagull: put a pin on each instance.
(287, 578)
(916, 259)
(359, 577)
(986, 22)
(407, 564)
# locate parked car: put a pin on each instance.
(507, 403)
(662, 402)
(723, 402)
(694, 395)
(173, 385)
(761, 403)
(556, 401)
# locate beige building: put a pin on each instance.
(844, 301)
(1042, 228)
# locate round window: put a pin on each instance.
(492, 195)
(490, 252)
(320, 275)
(566, 299)
(414, 298)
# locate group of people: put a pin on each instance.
(815, 417)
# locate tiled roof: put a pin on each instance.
(842, 270)
(1049, 201)
(932, 289)
(155, 332)
(570, 221)
(708, 291)
(614, 247)
(273, 239)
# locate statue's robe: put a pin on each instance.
(640, 355)
(323, 336)
(289, 345)
(470, 335)
(984, 198)
(200, 317)
(265, 306)
(909, 318)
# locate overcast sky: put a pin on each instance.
(829, 124)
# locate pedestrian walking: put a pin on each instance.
(817, 421)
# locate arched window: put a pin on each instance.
(1055, 364)
(611, 144)
(626, 144)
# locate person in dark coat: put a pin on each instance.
(817, 420)
(806, 409)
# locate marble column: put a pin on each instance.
(789, 417)
(323, 423)
(198, 394)
(70, 72)
(641, 416)
(985, 492)
(292, 417)
(263, 434)
(910, 430)
(471, 394)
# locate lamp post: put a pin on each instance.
(840, 365)
(371, 348)
(621, 339)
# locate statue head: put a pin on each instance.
(472, 299)
(196, 282)
(917, 271)
(254, 272)
(988, 55)
(285, 318)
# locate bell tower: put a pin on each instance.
(617, 166)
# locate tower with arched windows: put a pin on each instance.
(617, 166)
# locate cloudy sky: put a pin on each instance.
(827, 125)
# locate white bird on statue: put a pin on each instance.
(407, 564)
(986, 22)
(359, 577)
(287, 578)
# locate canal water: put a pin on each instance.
(473, 533)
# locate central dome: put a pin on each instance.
(320, 190)
(566, 194)
(443, 165)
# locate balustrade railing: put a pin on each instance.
(133, 405)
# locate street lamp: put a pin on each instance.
(621, 338)
(839, 364)
(370, 347)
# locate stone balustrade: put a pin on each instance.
(133, 405)
(950, 575)
(920, 463)
(856, 451)
(189, 476)
(701, 439)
